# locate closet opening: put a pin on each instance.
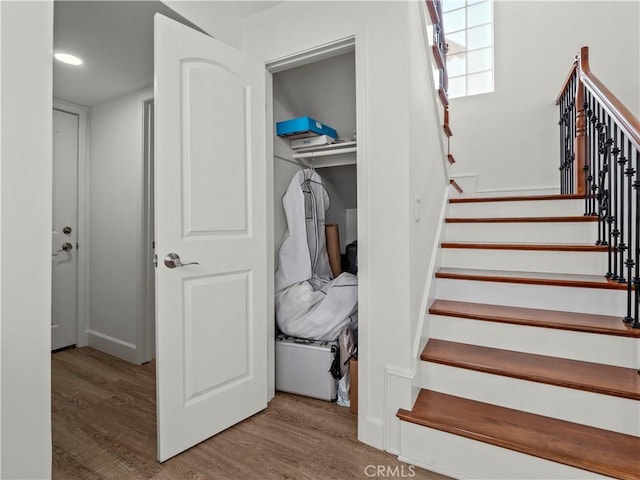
(310, 314)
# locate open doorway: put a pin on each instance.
(103, 267)
(64, 232)
(103, 208)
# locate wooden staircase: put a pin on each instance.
(528, 371)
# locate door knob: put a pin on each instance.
(172, 260)
(66, 246)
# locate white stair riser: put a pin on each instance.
(537, 208)
(586, 347)
(594, 409)
(460, 457)
(583, 263)
(569, 299)
(545, 232)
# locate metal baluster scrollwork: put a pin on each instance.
(602, 138)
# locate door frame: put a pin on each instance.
(82, 265)
(354, 42)
(145, 330)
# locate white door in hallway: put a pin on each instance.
(64, 230)
(211, 208)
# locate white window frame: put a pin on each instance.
(466, 49)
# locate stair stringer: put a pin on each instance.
(403, 385)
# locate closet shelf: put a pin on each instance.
(333, 155)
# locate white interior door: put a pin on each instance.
(64, 230)
(211, 208)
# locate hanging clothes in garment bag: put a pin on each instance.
(309, 302)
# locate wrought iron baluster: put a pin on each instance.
(615, 233)
(585, 168)
(572, 134)
(621, 246)
(630, 262)
(601, 196)
(591, 189)
(562, 142)
(636, 256)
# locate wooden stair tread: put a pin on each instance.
(531, 278)
(549, 247)
(587, 376)
(593, 449)
(516, 198)
(567, 219)
(580, 322)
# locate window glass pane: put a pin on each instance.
(457, 42)
(454, 21)
(479, 60)
(471, 2)
(479, 83)
(456, 65)
(478, 37)
(479, 14)
(457, 87)
(448, 5)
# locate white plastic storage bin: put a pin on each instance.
(302, 367)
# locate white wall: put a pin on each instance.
(384, 115)
(510, 137)
(25, 294)
(116, 223)
(221, 20)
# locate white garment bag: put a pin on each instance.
(309, 302)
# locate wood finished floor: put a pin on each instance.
(104, 427)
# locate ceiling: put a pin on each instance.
(115, 40)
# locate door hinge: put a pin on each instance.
(155, 261)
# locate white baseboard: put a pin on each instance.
(530, 190)
(398, 394)
(469, 184)
(371, 431)
(112, 346)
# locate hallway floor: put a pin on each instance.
(104, 427)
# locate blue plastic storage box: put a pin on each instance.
(303, 127)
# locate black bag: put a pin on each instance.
(352, 258)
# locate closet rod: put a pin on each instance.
(290, 161)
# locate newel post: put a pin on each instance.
(581, 126)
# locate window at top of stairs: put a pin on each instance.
(468, 28)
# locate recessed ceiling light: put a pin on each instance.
(68, 58)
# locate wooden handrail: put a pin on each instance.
(433, 12)
(626, 121)
(565, 85)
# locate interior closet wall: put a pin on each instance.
(325, 91)
(116, 223)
